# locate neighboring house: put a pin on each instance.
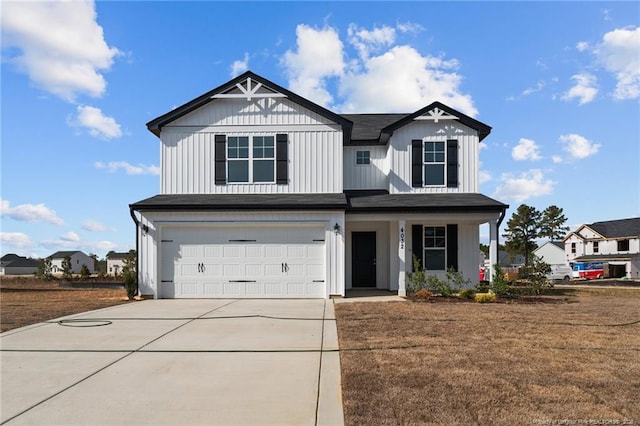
(266, 194)
(615, 242)
(552, 253)
(115, 262)
(12, 264)
(78, 259)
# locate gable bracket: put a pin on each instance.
(435, 115)
(249, 92)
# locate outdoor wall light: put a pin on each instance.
(145, 229)
(336, 228)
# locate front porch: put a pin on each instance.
(379, 248)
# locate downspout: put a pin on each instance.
(502, 215)
(146, 229)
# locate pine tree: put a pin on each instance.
(522, 230)
(552, 224)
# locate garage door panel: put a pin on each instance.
(279, 261)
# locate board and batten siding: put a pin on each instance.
(150, 252)
(187, 159)
(366, 176)
(400, 155)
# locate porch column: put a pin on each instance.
(402, 237)
(493, 248)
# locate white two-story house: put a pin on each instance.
(264, 193)
(615, 242)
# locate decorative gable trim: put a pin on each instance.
(437, 111)
(244, 87)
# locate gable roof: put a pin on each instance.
(156, 124)
(618, 228)
(20, 262)
(11, 256)
(376, 129)
(117, 256)
(63, 254)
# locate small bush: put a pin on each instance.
(423, 294)
(417, 279)
(485, 297)
(500, 285)
(466, 294)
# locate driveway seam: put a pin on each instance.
(324, 313)
(108, 365)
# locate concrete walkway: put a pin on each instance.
(177, 362)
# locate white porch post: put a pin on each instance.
(402, 237)
(493, 248)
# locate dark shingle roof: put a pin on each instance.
(242, 201)
(20, 263)
(558, 244)
(368, 127)
(618, 228)
(114, 255)
(603, 257)
(365, 201)
(11, 256)
(63, 254)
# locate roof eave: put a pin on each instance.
(155, 125)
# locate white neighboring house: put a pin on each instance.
(552, 253)
(12, 264)
(615, 242)
(78, 259)
(115, 263)
(264, 193)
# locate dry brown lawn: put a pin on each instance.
(30, 301)
(576, 362)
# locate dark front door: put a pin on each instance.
(363, 259)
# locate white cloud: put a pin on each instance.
(70, 236)
(409, 27)
(62, 47)
(585, 89)
(93, 226)
(319, 55)
(15, 239)
(530, 90)
(526, 149)
(404, 79)
(484, 176)
(239, 66)
(366, 41)
(30, 213)
(578, 146)
(528, 184)
(582, 46)
(130, 169)
(98, 124)
(619, 53)
(556, 159)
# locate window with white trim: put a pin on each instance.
(596, 247)
(435, 248)
(363, 158)
(434, 162)
(251, 160)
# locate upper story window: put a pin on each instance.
(573, 248)
(623, 245)
(251, 160)
(434, 163)
(435, 248)
(596, 247)
(363, 157)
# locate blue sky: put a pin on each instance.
(558, 82)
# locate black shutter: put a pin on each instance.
(282, 160)
(452, 164)
(452, 246)
(416, 243)
(416, 163)
(221, 159)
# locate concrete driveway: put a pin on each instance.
(178, 362)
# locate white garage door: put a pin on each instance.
(252, 261)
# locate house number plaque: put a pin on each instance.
(402, 238)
